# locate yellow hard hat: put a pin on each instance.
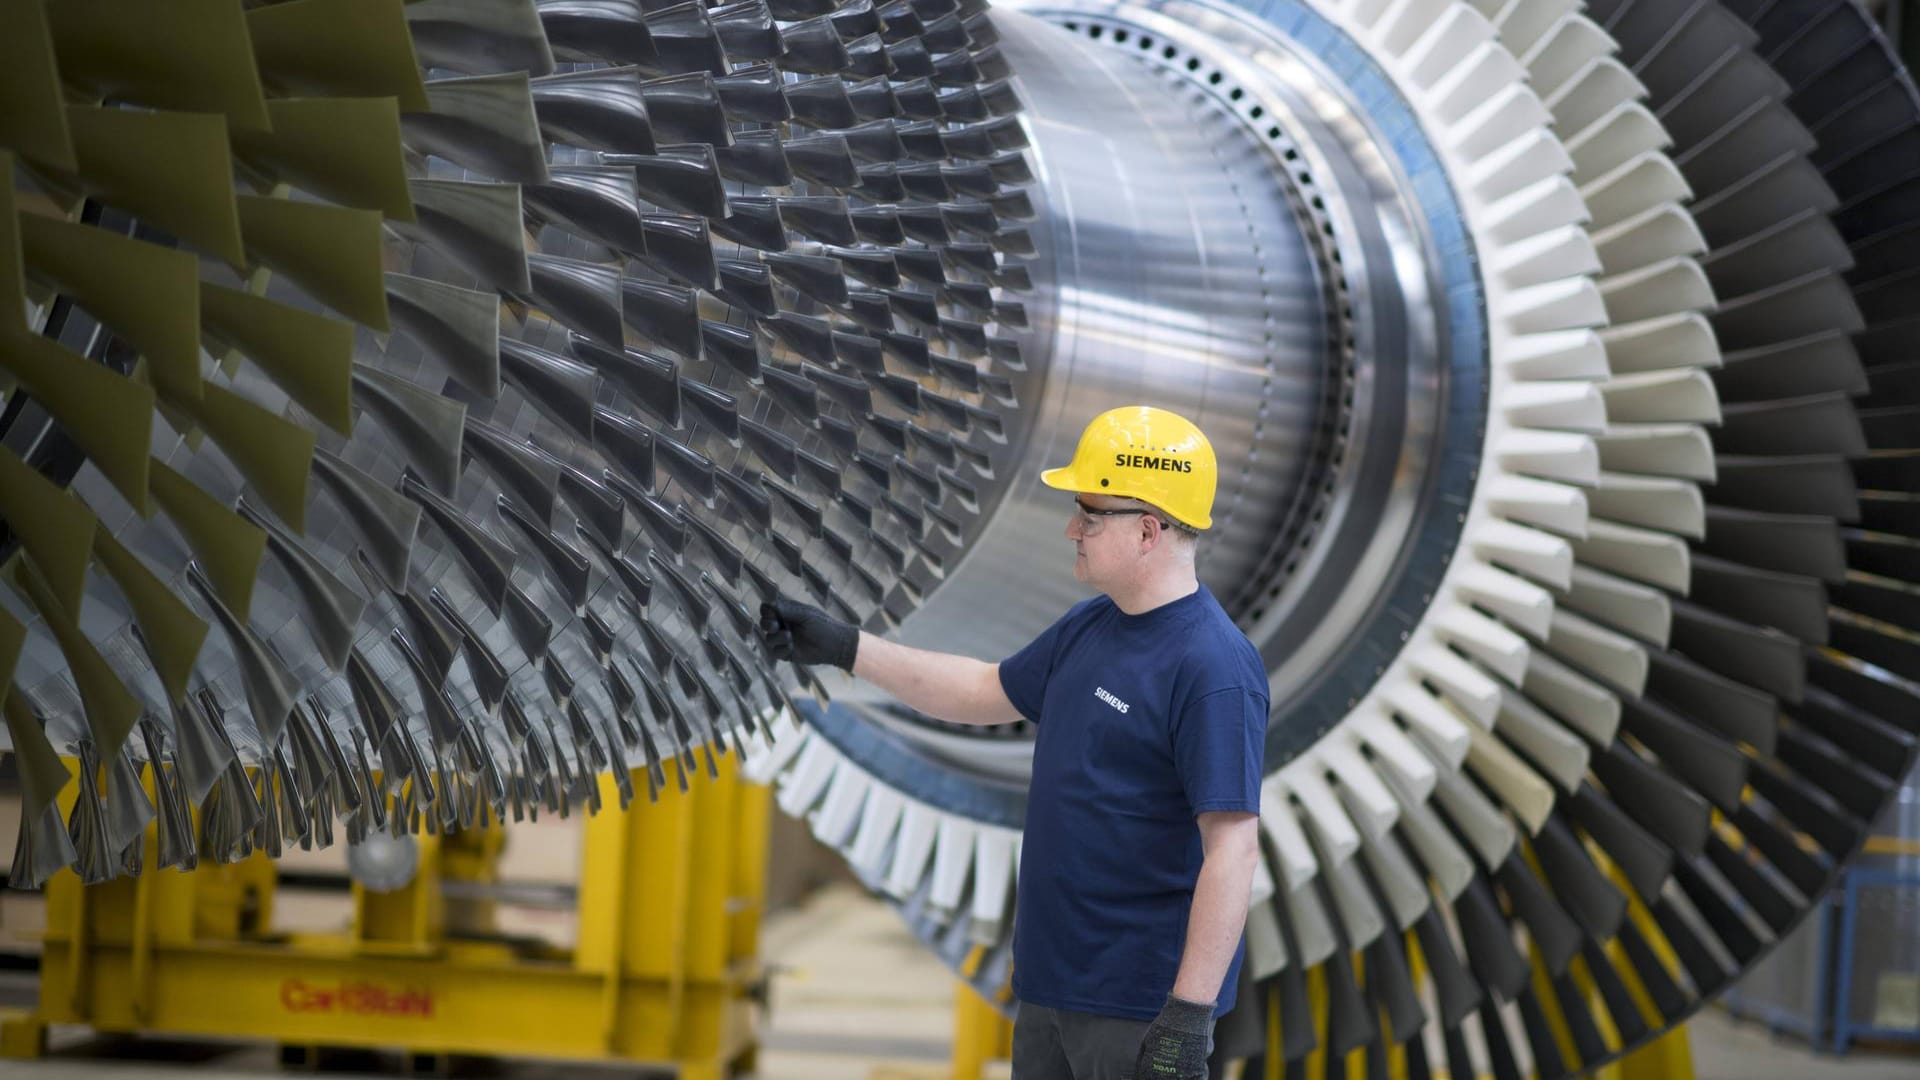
(1140, 452)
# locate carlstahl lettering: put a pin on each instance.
(1147, 461)
(1101, 693)
(356, 998)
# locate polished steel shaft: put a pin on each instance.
(1174, 268)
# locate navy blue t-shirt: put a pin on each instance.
(1145, 721)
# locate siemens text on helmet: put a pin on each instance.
(1146, 461)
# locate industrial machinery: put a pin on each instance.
(663, 968)
(1553, 352)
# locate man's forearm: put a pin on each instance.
(1214, 925)
(959, 689)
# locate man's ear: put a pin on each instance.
(1150, 532)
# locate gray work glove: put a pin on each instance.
(806, 635)
(1177, 1042)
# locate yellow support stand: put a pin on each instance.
(980, 1034)
(410, 919)
(666, 970)
(22, 1035)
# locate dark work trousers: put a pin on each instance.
(1053, 1044)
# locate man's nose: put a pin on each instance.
(1073, 527)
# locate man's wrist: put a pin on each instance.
(1194, 994)
(1185, 1013)
(859, 648)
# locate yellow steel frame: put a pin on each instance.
(981, 1032)
(666, 969)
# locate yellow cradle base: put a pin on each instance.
(666, 969)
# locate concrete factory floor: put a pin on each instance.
(857, 999)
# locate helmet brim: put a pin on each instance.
(1061, 479)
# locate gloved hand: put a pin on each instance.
(806, 635)
(1177, 1043)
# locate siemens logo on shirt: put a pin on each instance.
(1148, 461)
(1101, 693)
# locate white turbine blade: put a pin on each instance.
(1618, 659)
(1560, 508)
(1639, 554)
(1445, 861)
(1651, 502)
(1547, 257)
(839, 813)
(1635, 187)
(1359, 915)
(1583, 704)
(1683, 396)
(811, 772)
(918, 823)
(1524, 25)
(1417, 30)
(1266, 947)
(877, 825)
(1367, 800)
(1520, 602)
(1312, 933)
(1683, 340)
(1641, 611)
(1479, 74)
(1621, 134)
(1652, 292)
(1583, 100)
(1497, 648)
(1564, 354)
(1525, 161)
(1663, 232)
(1521, 790)
(952, 858)
(1680, 450)
(1337, 836)
(1564, 51)
(1400, 884)
(1490, 125)
(1545, 741)
(1282, 825)
(765, 763)
(1553, 455)
(1485, 828)
(1472, 690)
(1439, 728)
(1399, 759)
(992, 880)
(1567, 304)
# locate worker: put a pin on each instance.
(1150, 706)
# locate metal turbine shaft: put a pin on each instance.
(1241, 253)
(1554, 353)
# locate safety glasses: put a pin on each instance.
(1091, 519)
